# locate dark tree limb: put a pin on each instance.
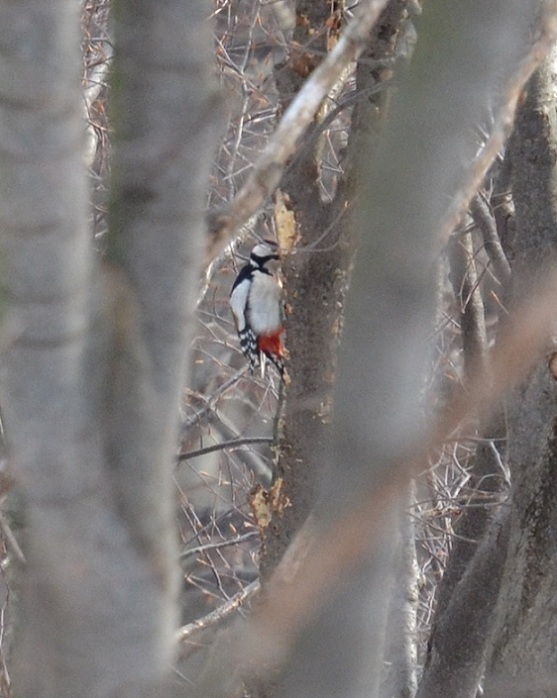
(459, 644)
(485, 220)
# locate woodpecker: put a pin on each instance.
(256, 304)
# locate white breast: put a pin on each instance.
(264, 310)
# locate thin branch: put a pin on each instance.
(220, 544)
(11, 539)
(234, 443)
(250, 458)
(484, 219)
(189, 635)
(212, 400)
(464, 278)
(217, 264)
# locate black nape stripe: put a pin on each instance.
(262, 260)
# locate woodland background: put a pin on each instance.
(381, 524)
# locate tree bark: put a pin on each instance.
(46, 281)
(524, 655)
(401, 665)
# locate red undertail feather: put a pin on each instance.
(271, 344)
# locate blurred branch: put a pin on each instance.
(270, 165)
(505, 116)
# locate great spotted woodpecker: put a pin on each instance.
(256, 305)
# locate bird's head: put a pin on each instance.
(265, 256)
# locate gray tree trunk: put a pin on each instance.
(524, 656)
(94, 358)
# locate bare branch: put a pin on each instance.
(484, 219)
(189, 635)
(219, 544)
(212, 400)
(234, 443)
(464, 278)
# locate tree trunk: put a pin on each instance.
(524, 655)
(94, 368)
